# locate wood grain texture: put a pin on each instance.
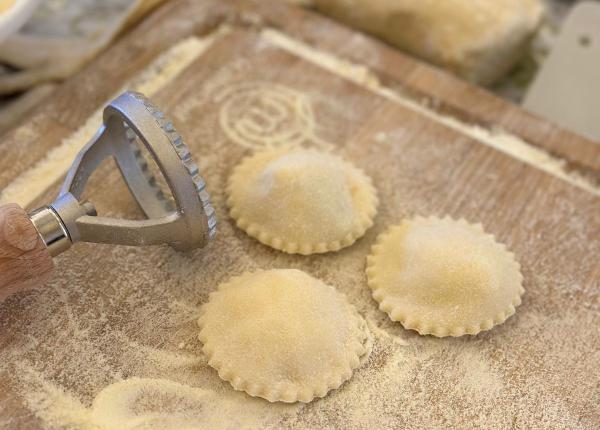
(116, 312)
(24, 260)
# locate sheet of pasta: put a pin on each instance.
(111, 341)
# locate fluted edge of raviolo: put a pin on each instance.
(358, 352)
(264, 236)
(416, 322)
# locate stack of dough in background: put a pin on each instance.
(479, 40)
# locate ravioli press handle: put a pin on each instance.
(186, 221)
(25, 261)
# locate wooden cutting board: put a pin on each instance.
(236, 76)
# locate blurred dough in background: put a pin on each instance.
(506, 81)
(479, 40)
(5, 5)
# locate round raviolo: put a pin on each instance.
(301, 201)
(444, 277)
(282, 335)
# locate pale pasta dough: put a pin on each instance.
(479, 40)
(444, 277)
(301, 201)
(6, 5)
(282, 335)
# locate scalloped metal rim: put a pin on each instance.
(184, 155)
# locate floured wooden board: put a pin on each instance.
(235, 76)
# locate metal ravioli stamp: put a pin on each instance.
(180, 215)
